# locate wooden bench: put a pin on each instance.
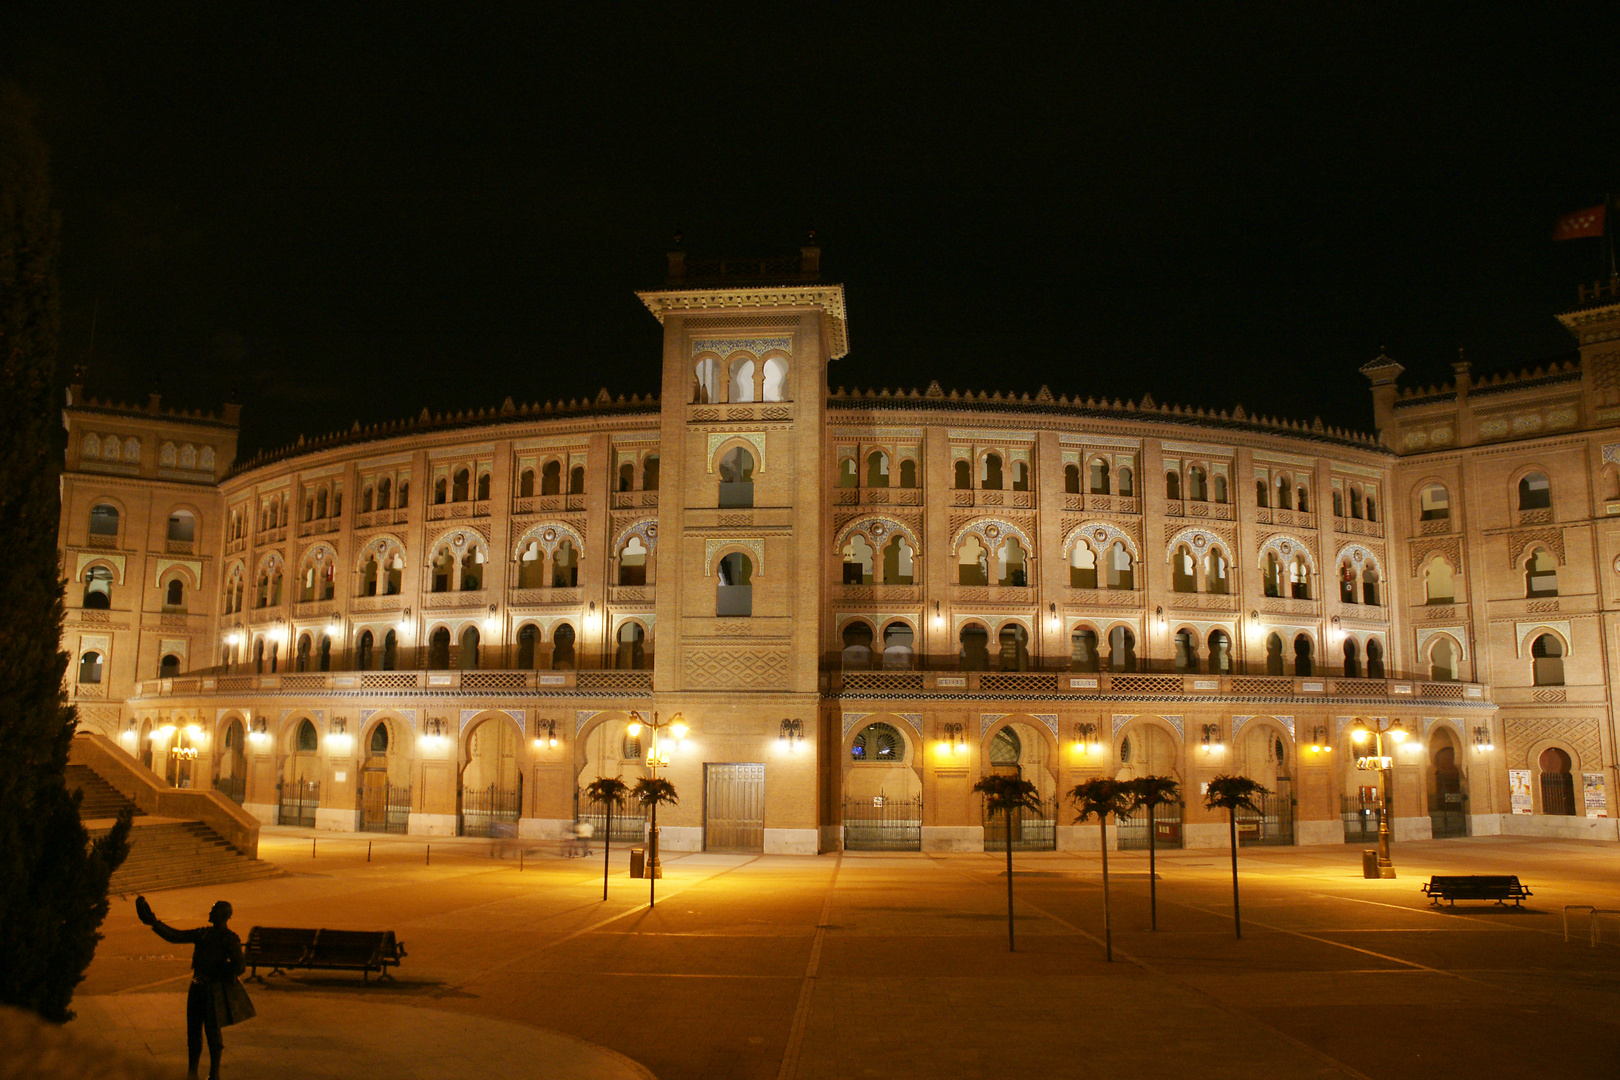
(282, 948)
(1498, 887)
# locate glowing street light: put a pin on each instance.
(1380, 762)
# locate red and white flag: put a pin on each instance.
(1588, 222)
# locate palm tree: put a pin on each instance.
(1009, 794)
(650, 791)
(1102, 797)
(1234, 793)
(610, 792)
(1152, 792)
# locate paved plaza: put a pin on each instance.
(897, 966)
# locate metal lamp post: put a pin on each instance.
(676, 726)
(1386, 765)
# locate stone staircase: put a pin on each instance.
(165, 853)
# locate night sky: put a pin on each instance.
(351, 216)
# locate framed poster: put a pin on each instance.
(1597, 803)
(1519, 790)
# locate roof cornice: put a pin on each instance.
(827, 298)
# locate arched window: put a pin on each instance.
(1186, 651)
(531, 566)
(972, 562)
(175, 595)
(103, 520)
(440, 491)
(899, 562)
(368, 576)
(775, 380)
(742, 381)
(898, 654)
(1439, 584)
(90, 667)
(439, 649)
(1217, 579)
(459, 491)
(878, 742)
(633, 562)
(379, 740)
(306, 741)
(1183, 571)
(258, 656)
(1271, 573)
(1535, 492)
(1375, 659)
(736, 478)
(365, 500)
(469, 648)
(1071, 479)
(1434, 503)
(706, 381)
(1121, 650)
(1262, 495)
(1355, 502)
(1220, 489)
(326, 652)
(305, 646)
(1338, 503)
(627, 475)
(1220, 653)
(1172, 487)
(390, 658)
(649, 473)
(576, 482)
(182, 526)
(1302, 655)
(1547, 661)
(1369, 584)
(98, 588)
(1013, 564)
(1099, 476)
(734, 593)
(562, 648)
(1285, 494)
(964, 476)
(857, 654)
(1020, 471)
(1014, 641)
(404, 494)
(1540, 574)
(1443, 657)
(1082, 567)
(1197, 485)
(528, 638)
(564, 566)
(973, 649)
(1372, 507)
(631, 654)
(1352, 659)
(990, 473)
(472, 570)
(362, 651)
(849, 475)
(857, 561)
(444, 568)
(1304, 499)
(1083, 654)
(1347, 582)
(908, 473)
(1274, 656)
(1299, 578)
(1121, 569)
(1127, 484)
(551, 478)
(877, 469)
(320, 504)
(526, 484)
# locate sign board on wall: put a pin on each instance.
(1519, 790)
(1597, 803)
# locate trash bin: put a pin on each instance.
(638, 862)
(1369, 863)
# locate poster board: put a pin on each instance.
(1596, 798)
(1519, 790)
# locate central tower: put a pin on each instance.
(743, 519)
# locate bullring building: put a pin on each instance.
(861, 602)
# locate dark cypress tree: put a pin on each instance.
(53, 882)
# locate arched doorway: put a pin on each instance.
(491, 778)
(1147, 749)
(181, 760)
(384, 791)
(882, 809)
(1018, 749)
(146, 743)
(1262, 750)
(1448, 809)
(300, 785)
(230, 763)
(1557, 783)
(609, 750)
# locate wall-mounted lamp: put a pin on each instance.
(492, 623)
(954, 740)
(790, 734)
(233, 638)
(337, 734)
(334, 624)
(1319, 743)
(1483, 743)
(1085, 738)
(938, 619)
(1335, 634)
(1158, 615)
(1254, 617)
(129, 732)
(1052, 607)
(260, 732)
(549, 738)
(404, 624)
(433, 733)
(1211, 743)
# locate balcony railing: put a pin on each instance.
(478, 680)
(1149, 684)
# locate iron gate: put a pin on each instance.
(1360, 819)
(384, 807)
(629, 823)
(233, 788)
(490, 811)
(299, 800)
(1031, 830)
(1133, 828)
(1448, 814)
(733, 807)
(881, 823)
(1274, 824)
